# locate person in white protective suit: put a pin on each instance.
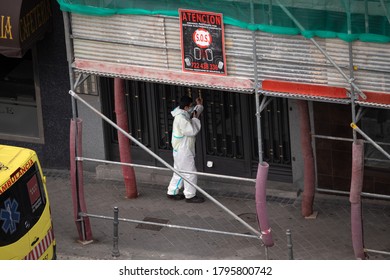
(186, 126)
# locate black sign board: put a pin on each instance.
(22, 24)
(202, 42)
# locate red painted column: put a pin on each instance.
(124, 142)
(308, 160)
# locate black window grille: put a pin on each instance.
(138, 113)
(224, 135)
(275, 133)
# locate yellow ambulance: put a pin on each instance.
(26, 229)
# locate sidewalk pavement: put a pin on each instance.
(328, 237)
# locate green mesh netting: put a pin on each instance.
(349, 20)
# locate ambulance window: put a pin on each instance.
(21, 206)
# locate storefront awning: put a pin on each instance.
(149, 74)
(22, 23)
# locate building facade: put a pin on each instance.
(145, 50)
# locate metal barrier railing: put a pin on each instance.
(377, 252)
(116, 220)
(166, 169)
(74, 95)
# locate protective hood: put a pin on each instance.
(178, 111)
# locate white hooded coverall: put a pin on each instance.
(184, 133)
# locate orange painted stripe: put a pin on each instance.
(376, 97)
(305, 89)
(323, 91)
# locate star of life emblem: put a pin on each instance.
(10, 215)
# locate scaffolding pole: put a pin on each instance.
(74, 95)
(262, 169)
(379, 148)
(171, 226)
(167, 169)
(82, 224)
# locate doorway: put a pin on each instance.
(227, 143)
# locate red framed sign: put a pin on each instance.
(202, 42)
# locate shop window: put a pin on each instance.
(20, 103)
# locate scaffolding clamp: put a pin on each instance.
(354, 126)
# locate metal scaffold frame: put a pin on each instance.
(357, 179)
(77, 160)
(353, 98)
(354, 90)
